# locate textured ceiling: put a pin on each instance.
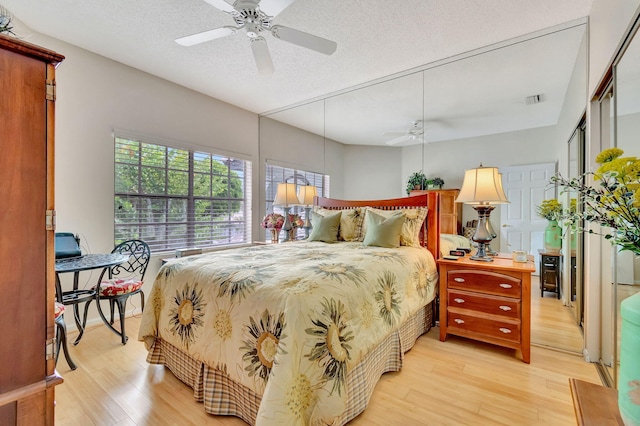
(376, 39)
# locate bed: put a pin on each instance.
(299, 332)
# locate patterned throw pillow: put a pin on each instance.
(351, 222)
(413, 220)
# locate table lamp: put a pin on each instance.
(491, 252)
(306, 194)
(481, 188)
(286, 197)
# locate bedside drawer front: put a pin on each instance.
(506, 330)
(484, 282)
(495, 305)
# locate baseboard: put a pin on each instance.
(93, 322)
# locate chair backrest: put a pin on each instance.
(139, 255)
(67, 245)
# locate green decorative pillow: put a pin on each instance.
(325, 228)
(350, 222)
(383, 231)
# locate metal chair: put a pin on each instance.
(123, 281)
(61, 335)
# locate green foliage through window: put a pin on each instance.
(176, 198)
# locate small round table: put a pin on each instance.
(76, 296)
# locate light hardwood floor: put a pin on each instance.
(553, 324)
(456, 382)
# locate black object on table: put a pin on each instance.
(76, 296)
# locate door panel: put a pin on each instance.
(526, 187)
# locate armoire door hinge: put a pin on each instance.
(50, 220)
(50, 349)
(51, 90)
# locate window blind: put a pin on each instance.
(174, 198)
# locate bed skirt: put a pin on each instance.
(222, 396)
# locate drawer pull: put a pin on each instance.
(505, 330)
(458, 300)
(459, 280)
(505, 308)
(505, 285)
(458, 321)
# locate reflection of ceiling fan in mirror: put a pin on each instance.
(248, 16)
(415, 132)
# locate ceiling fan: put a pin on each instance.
(249, 16)
(415, 132)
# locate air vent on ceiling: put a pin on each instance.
(535, 99)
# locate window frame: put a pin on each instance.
(202, 229)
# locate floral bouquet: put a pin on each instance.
(273, 221)
(614, 202)
(550, 209)
(296, 221)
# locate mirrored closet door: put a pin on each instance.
(625, 265)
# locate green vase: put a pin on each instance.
(629, 378)
(552, 236)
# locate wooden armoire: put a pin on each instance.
(450, 211)
(27, 221)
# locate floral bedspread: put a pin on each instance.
(288, 320)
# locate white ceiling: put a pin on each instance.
(481, 94)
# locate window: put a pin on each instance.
(176, 198)
(277, 174)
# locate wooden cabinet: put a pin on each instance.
(28, 374)
(595, 405)
(450, 211)
(487, 301)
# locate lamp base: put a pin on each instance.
(286, 226)
(482, 236)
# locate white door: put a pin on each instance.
(525, 187)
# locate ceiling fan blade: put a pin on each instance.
(261, 55)
(394, 134)
(303, 39)
(396, 141)
(274, 7)
(205, 36)
(222, 5)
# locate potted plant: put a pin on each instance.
(5, 22)
(551, 210)
(417, 180)
(436, 183)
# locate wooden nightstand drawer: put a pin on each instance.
(485, 326)
(494, 305)
(484, 282)
(487, 301)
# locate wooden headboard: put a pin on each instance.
(430, 228)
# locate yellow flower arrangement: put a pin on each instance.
(614, 202)
(550, 209)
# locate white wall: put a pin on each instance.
(372, 172)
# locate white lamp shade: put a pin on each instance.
(306, 194)
(286, 195)
(482, 185)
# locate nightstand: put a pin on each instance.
(487, 301)
(550, 272)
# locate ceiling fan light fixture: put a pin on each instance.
(248, 16)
